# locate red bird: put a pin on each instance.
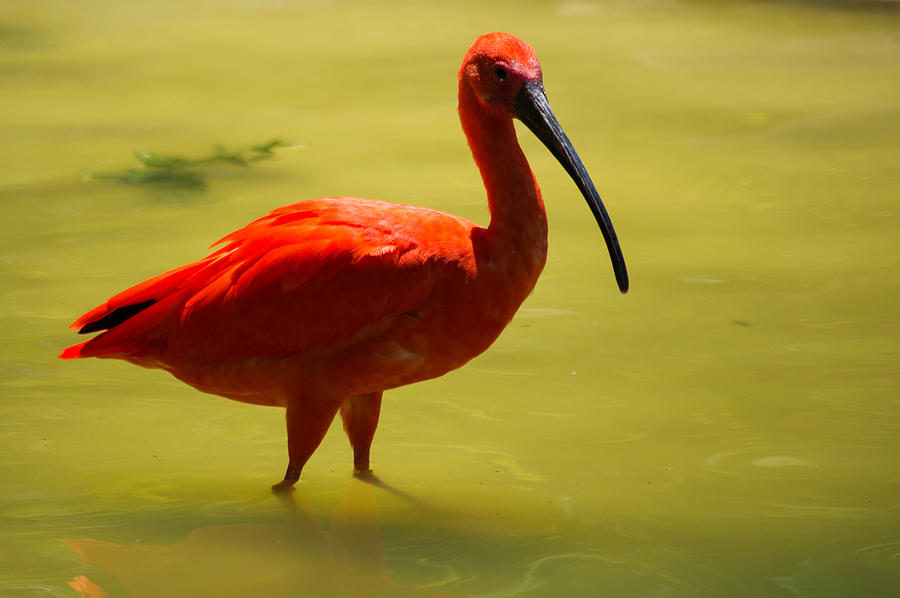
(322, 305)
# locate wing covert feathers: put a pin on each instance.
(308, 274)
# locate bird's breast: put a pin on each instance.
(459, 321)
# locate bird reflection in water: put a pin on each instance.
(300, 558)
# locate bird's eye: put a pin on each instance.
(500, 73)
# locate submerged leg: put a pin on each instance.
(307, 423)
(360, 415)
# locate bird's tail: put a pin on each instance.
(128, 316)
(73, 352)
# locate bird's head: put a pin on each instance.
(505, 77)
(496, 67)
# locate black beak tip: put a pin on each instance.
(621, 272)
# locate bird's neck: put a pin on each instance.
(518, 218)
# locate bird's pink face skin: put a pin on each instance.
(496, 67)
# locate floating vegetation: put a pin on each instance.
(14, 37)
(188, 173)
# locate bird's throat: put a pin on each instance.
(518, 218)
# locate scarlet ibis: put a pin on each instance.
(322, 305)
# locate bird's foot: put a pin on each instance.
(291, 477)
(283, 487)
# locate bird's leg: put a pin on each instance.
(307, 422)
(360, 415)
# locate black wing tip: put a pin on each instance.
(116, 317)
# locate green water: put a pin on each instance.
(728, 428)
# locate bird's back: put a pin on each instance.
(312, 274)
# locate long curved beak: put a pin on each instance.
(531, 107)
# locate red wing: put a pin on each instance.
(311, 274)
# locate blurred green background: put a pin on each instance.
(728, 428)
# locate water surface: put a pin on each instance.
(728, 428)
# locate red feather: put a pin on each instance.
(306, 275)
